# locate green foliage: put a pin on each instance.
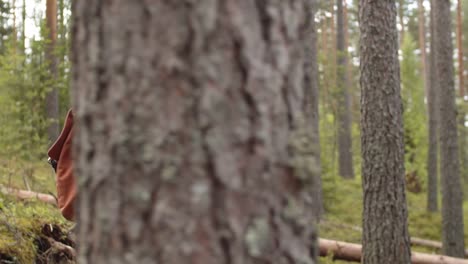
(25, 80)
(414, 115)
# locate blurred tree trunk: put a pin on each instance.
(461, 79)
(15, 32)
(422, 43)
(345, 156)
(52, 106)
(401, 14)
(185, 141)
(23, 27)
(452, 200)
(311, 110)
(385, 229)
(432, 105)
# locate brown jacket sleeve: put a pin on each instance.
(66, 184)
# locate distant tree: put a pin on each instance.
(312, 104)
(5, 28)
(385, 229)
(414, 115)
(463, 107)
(345, 156)
(422, 42)
(402, 6)
(432, 106)
(461, 78)
(52, 104)
(184, 137)
(452, 200)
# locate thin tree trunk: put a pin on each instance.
(452, 200)
(422, 43)
(23, 27)
(182, 140)
(385, 229)
(349, 68)
(432, 105)
(401, 14)
(311, 105)
(461, 79)
(15, 34)
(52, 106)
(461, 88)
(345, 154)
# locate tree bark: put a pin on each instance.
(52, 107)
(185, 117)
(345, 153)
(385, 229)
(452, 200)
(432, 105)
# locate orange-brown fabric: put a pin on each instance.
(61, 151)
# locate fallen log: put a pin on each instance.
(353, 252)
(430, 244)
(27, 195)
(415, 241)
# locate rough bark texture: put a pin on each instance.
(432, 106)
(452, 200)
(185, 112)
(311, 104)
(385, 231)
(52, 106)
(345, 156)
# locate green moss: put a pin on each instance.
(21, 224)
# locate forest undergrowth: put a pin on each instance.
(343, 217)
(32, 231)
(29, 230)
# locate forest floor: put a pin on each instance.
(343, 217)
(29, 230)
(32, 231)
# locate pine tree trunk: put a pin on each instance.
(183, 136)
(385, 231)
(432, 105)
(345, 156)
(452, 200)
(52, 107)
